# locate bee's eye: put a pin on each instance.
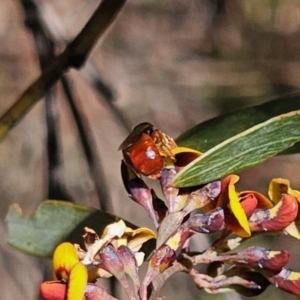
(144, 127)
(149, 131)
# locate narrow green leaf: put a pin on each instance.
(242, 151)
(210, 133)
(52, 223)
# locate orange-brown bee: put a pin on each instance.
(146, 148)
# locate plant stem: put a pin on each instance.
(74, 55)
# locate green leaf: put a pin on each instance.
(210, 133)
(242, 151)
(52, 223)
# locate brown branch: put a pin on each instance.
(74, 55)
(45, 48)
(88, 145)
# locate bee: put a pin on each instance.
(146, 150)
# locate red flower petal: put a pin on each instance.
(264, 258)
(288, 281)
(276, 218)
(53, 290)
(249, 203)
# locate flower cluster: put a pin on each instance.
(215, 207)
(116, 253)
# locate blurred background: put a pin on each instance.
(172, 63)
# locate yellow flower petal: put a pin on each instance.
(113, 230)
(77, 282)
(139, 256)
(279, 186)
(120, 241)
(178, 150)
(294, 229)
(138, 237)
(183, 156)
(129, 230)
(64, 259)
(95, 273)
(238, 211)
(67, 266)
(143, 231)
(235, 216)
(223, 198)
(174, 241)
